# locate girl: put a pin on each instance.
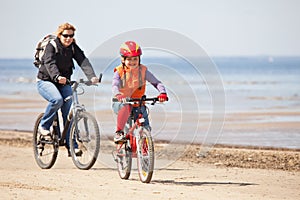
(129, 80)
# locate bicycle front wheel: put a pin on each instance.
(124, 160)
(145, 155)
(84, 140)
(45, 151)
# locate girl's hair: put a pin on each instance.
(64, 26)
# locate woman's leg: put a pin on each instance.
(49, 92)
(66, 91)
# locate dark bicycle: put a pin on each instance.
(84, 134)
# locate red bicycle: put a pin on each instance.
(139, 144)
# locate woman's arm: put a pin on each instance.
(49, 61)
(83, 62)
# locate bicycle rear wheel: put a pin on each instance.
(124, 160)
(45, 151)
(84, 140)
(145, 155)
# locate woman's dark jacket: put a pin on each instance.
(61, 63)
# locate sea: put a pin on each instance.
(210, 100)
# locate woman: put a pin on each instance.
(57, 67)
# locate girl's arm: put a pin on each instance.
(155, 82)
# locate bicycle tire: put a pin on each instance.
(85, 136)
(145, 155)
(124, 160)
(45, 152)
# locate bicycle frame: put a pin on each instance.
(131, 134)
(76, 107)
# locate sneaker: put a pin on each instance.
(78, 152)
(45, 133)
(119, 137)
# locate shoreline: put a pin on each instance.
(218, 155)
(163, 141)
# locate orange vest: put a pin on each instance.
(133, 80)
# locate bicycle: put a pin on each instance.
(139, 144)
(84, 134)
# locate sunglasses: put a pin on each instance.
(66, 35)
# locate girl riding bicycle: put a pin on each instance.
(129, 80)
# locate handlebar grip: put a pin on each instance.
(115, 100)
(100, 77)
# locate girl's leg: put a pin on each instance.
(123, 112)
(145, 115)
(123, 115)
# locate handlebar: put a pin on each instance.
(88, 83)
(75, 84)
(139, 100)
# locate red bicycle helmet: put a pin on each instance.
(130, 49)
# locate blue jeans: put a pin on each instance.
(55, 95)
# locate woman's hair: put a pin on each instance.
(64, 26)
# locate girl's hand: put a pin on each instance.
(162, 97)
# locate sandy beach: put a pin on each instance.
(225, 173)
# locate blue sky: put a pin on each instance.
(221, 28)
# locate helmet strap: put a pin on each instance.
(140, 77)
(140, 73)
(124, 78)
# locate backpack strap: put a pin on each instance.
(54, 45)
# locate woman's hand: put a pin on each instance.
(62, 80)
(95, 80)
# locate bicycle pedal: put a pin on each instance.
(120, 142)
(62, 143)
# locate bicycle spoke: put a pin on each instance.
(124, 159)
(84, 137)
(145, 157)
(45, 152)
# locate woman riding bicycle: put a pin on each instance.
(129, 80)
(57, 67)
